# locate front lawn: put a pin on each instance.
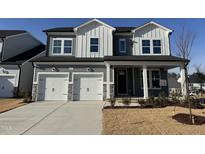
(152, 121)
(8, 104)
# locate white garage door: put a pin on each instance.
(53, 87)
(88, 87)
(7, 86)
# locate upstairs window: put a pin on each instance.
(57, 46)
(157, 46)
(67, 46)
(62, 46)
(122, 45)
(146, 46)
(94, 45)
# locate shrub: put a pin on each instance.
(112, 102)
(175, 97)
(126, 101)
(25, 95)
(141, 101)
(162, 99)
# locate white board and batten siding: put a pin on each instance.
(151, 32)
(94, 30)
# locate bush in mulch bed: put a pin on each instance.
(195, 104)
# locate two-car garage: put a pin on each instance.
(55, 86)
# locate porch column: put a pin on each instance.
(183, 82)
(108, 80)
(145, 84)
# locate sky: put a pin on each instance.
(36, 25)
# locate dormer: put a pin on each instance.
(94, 39)
(151, 39)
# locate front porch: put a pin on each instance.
(140, 80)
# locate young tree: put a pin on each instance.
(184, 43)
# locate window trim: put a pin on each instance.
(151, 46)
(145, 46)
(150, 79)
(157, 46)
(121, 51)
(95, 37)
(62, 46)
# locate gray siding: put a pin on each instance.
(70, 69)
(26, 77)
(128, 45)
(15, 45)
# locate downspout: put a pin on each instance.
(33, 98)
(19, 78)
(133, 41)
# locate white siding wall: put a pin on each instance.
(151, 32)
(1, 44)
(100, 31)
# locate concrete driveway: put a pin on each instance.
(52, 118)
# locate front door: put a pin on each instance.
(122, 82)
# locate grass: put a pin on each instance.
(9, 104)
(153, 121)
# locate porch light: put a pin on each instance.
(90, 69)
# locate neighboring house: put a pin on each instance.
(96, 61)
(194, 83)
(173, 85)
(17, 47)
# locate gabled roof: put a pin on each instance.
(94, 20)
(6, 33)
(152, 23)
(23, 57)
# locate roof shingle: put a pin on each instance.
(6, 33)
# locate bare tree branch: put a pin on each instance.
(184, 43)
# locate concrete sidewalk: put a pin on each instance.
(53, 118)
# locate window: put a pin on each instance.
(157, 46)
(67, 46)
(94, 45)
(62, 46)
(122, 45)
(145, 46)
(153, 79)
(151, 46)
(57, 46)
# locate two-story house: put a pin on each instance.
(17, 47)
(95, 61)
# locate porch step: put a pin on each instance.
(132, 100)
